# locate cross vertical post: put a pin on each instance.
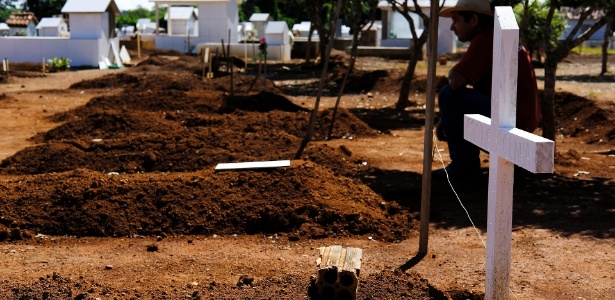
(507, 146)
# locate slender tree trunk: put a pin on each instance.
(353, 57)
(406, 84)
(308, 49)
(312, 123)
(547, 101)
(605, 46)
(555, 55)
(415, 51)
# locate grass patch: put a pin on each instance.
(591, 50)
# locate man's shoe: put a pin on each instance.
(456, 173)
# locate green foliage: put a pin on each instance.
(296, 11)
(591, 50)
(6, 8)
(44, 8)
(262, 50)
(293, 12)
(327, 15)
(58, 64)
(531, 34)
(130, 17)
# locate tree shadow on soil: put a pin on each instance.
(565, 205)
(607, 78)
(388, 118)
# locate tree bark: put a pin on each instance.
(554, 56)
(406, 84)
(356, 27)
(415, 50)
(605, 46)
(547, 101)
(310, 130)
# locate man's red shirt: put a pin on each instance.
(476, 66)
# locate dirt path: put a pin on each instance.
(27, 103)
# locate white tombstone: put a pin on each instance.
(182, 20)
(303, 30)
(93, 19)
(216, 19)
(277, 34)
(396, 30)
(507, 146)
(259, 20)
(4, 29)
(124, 55)
(52, 27)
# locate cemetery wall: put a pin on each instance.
(81, 52)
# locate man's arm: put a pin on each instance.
(456, 80)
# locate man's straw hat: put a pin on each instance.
(477, 6)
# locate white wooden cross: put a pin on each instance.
(507, 146)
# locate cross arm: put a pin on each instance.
(529, 151)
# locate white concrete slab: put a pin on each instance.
(253, 165)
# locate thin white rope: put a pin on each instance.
(437, 150)
(456, 195)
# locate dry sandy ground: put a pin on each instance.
(547, 263)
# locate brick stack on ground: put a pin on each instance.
(338, 272)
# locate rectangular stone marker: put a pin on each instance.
(507, 146)
(253, 165)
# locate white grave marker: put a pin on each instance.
(116, 53)
(253, 165)
(507, 146)
(124, 55)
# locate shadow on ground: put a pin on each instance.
(566, 205)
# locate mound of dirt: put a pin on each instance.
(86, 203)
(139, 165)
(108, 124)
(579, 117)
(168, 123)
(108, 81)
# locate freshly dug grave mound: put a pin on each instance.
(158, 101)
(108, 124)
(170, 61)
(187, 151)
(243, 83)
(107, 81)
(580, 117)
(141, 162)
(180, 81)
(304, 200)
(152, 152)
(102, 138)
(261, 102)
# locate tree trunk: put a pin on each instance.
(415, 50)
(404, 91)
(321, 83)
(356, 27)
(553, 57)
(308, 49)
(605, 46)
(548, 98)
